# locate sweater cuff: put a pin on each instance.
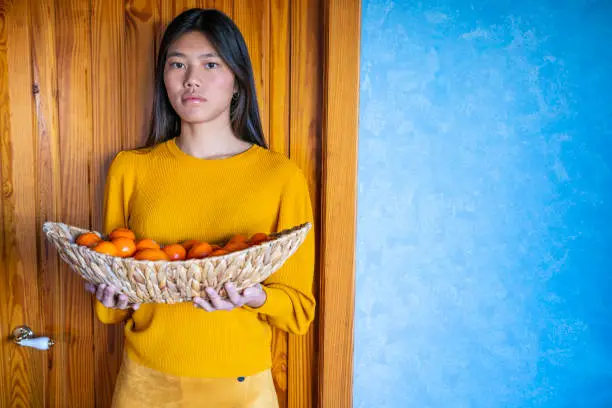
(109, 316)
(277, 302)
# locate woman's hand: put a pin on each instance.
(108, 296)
(253, 296)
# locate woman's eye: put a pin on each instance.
(177, 65)
(212, 65)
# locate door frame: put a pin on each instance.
(342, 27)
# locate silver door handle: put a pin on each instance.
(24, 336)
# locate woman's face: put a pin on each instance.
(199, 84)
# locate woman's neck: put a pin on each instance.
(207, 141)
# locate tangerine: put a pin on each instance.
(189, 243)
(237, 238)
(106, 247)
(258, 238)
(200, 250)
(236, 246)
(219, 252)
(122, 233)
(125, 246)
(151, 254)
(88, 239)
(146, 243)
(176, 252)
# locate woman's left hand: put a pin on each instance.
(253, 296)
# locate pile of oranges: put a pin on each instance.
(122, 242)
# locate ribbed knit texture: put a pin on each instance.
(167, 195)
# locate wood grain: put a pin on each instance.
(253, 19)
(25, 367)
(142, 23)
(107, 55)
(305, 150)
(73, 311)
(279, 75)
(337, 283)
(5, 137)
(46, 127)
(19, 273)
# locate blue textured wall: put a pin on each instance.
(485, 205)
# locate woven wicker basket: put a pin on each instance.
(175, 281)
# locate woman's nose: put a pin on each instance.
(191, 81)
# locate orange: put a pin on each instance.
(105, 247)
(215, 247)
(236, 246)
(189, 243)
(176, 252)
(258, 238)
(122, 233)
(146, 243)
(88, 239)
(236, 238)
(151, 254)
(219, 252)
(125, 246)
(200, 250)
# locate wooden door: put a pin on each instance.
(75, 88)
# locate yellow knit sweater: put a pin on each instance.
(167, 195)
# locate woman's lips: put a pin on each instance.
(193, 99)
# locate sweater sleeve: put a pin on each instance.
(117, 192)
(290, 302)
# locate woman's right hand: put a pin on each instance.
(108, 296)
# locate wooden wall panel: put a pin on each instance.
(279, 75)
(253, 19)
(142, 29)
(75, 126)
(305, 148)
(337, 282)
(46, 129)
(20, 284)
(107, 57)
(5, 273)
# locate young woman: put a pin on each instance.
(206, 174)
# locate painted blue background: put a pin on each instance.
(484, 205)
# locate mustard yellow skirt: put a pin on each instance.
(138, 386)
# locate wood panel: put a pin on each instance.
(278, 76)
(46, 128)
(19, 291)
(5, 137)
(107, 55)
(75, 315)
(253, 19)
(305, 148)
(337, 282)
(142, 26)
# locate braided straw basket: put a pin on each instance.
(175, 281)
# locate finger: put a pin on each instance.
(252, 291)
(202, 304)
(233, 294)
(108, 298)
(90, 287)
(216, 300)
(122, 302)
(100, 292)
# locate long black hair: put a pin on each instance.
(227, 39)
